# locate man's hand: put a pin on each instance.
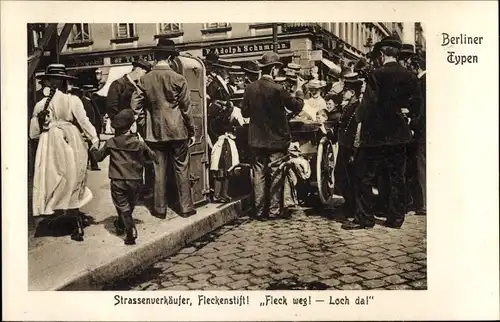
(95, 145)
(191, 141)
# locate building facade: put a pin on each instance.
(106, 45)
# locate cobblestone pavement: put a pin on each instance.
(305, 252)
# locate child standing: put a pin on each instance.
(297, 169)
(128, 155)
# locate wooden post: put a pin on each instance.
(275, 37)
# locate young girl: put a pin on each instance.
(225, 156)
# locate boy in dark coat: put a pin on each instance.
(127, 158)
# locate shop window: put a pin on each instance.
(124, 33)
(169, 30)
(215, 27)
(80, 36)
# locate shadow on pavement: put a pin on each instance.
(59, 225)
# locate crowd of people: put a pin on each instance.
(378, 106)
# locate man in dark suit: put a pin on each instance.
(418, 126)
(162, 106)
(268, 135)
(121, 90)
(119, 98)
(391, 91)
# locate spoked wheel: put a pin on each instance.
(325, 166)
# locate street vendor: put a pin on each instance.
(315, 103)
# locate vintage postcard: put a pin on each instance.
(298, 161)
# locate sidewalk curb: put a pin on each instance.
(144, 255)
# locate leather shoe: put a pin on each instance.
(392, 224)
(188, 214)
(354, 226)
(159, 215)
(120, 230)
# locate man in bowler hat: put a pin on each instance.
(391, 91)
(165, 121)
(269, 135)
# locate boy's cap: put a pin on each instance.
(123, 120)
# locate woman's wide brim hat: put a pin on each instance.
(123, 120)
(56, 71)
(251, 67)
(222, 63)
(389, 41)
(167, 46)
(316, 84)
(295, 67)
(141, 63)
(236, 70)
(270, 59)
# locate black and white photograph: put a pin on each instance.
(249, 160)
(227, 156)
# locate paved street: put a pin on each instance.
(308, 251)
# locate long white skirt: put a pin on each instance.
(60, 170)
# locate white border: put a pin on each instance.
(462, 163)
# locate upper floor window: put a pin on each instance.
(170, 28)
(80, 33)
(125, 30)
(214, 25)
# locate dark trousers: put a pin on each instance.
(370, 162)
(149, 179)
(421, 175)
(344, 179)
(125, 194)
(268, 182)
(384, 189)
(173, 154)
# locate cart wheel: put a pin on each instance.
(325, 166)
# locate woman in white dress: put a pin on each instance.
(60, 123)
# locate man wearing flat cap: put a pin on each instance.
(268, 135)
(391, 91)
(164, 119)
